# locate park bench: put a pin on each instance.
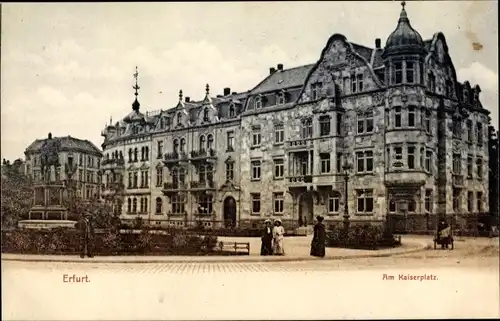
(237, 247)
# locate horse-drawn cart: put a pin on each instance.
(444, 237)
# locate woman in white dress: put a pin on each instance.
(278, 237)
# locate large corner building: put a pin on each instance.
(414, 139)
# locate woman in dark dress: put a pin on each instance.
(267, 239)
(319, 238)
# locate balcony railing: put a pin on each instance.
(203, 154)
(300, 179)
(175, 157)
(197, 185)
(299, 144)
(115, 161)
(174, 186)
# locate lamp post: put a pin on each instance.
(346, 168)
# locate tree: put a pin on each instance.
(17, 194)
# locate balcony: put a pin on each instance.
(174, 157)
(299, 180)
(397, 178)
(208, 155)
(199, 186)
(301, 144)
(169, 187)
(113, 163)
(458, 180)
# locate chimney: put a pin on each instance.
(50, 135)
(272, 70)
(227, 91)
(187, 99)
(377, 43)
(280, 67)
(235, 93)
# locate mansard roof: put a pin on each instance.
(282, 79)
(67, 143)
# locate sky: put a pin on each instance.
(67, 68)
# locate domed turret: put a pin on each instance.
(405, 39)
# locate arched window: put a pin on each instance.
(176, 146)
(182, 175)
(175, 175)
(146, 153)
(258, 102)
(142, 153)
(205, 114)
(130, 157)
(179, 118)
(210, 142)
(134, 205)
(129, 205)
(135, 154)
(121, 155)
(183, 145)
(159, 205)
(231, 111)
(202, 142)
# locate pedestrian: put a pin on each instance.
(278, 238)
(267, 239)
(86, 228)
(319, 238)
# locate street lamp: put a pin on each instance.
(346, 169)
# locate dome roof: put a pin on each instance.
(404, 39)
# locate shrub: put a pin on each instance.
(368, 236)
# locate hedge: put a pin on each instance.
(360, 236)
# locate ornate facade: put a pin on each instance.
(415, 139)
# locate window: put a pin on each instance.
(410, 72)
(339, 162)
(279, 134)
(176, 146)
(364, 161)
(398, 153)
(129, 205)
(255, 203)
(134, 205)
(469, 131)
(205, 114)
(279, 168)
(136, 178)
(177, 204)
(457, 164)
(160, 149)
(365, 122)
(479, 134)
(281, 98)
(159, 176)
(316, 90)
(427, 121)
(411, 116)
(479, 164)
(182, 148)
(456, 200)
(421, 72)
(470, 202)
(412, 206)
(466, 96)
(145, 179)
(307, 129)
(324, 125)
(354, 84)
(392, 206)
(202, 174)
(256, 170)
(231, 111)
(428, 201)
(360, 82)
(229, 171)
(469, 166)
(135, 154)
(146, 153)
(457, 128)
(431, 82)
(479, 199)
(411, 157)
(339, 124)
(398, 73)
(428, 158)
(201, 143)
(256, 138)
(159, 205)
(334, 203)
(230, 141)
(205, 204)
(179, 119)
(130, 180)
(210, 142)
(346, 85)
(258, 102)
(325, 163)
(364, 201)
(278, 201)
(397, 117)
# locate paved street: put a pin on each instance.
(352, 288)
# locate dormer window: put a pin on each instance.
(231, 111)
(162, 123)
(258, 102)
(431, 82)
(135, 130)
(167, 121)
(476, 96)
(205, 114)
(356, 83)
(281, 98)
(466, 96)
(179, 118)
(410, 72)
(316, 90)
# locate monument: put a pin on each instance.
(48, 210)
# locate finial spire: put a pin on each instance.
(207, 89)
(180, 95)
(136, 105)
(110, 120)
(403, 4)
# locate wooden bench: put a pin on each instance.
(235, 246)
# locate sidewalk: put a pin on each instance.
(296, 249)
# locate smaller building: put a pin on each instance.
(79, 163)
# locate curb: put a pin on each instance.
(419, 248)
